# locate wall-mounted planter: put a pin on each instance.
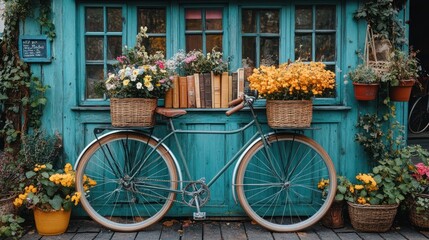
(365, 91)
(402, 92)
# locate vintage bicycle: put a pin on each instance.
(418, 117)
(139, 178)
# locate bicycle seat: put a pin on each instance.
(169, 112)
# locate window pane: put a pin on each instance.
(303, 17)
(325, 17)
(94, 20)
(114, 19)
(248, 21)
(193, 19)
(114, 45)
(214, 19)
(269, 51)
(154, 44)
(269, 21)
(325, 47)
(303, 47)
(248, 52)
(194, 42)
(94, 48)
(153, 18)
(214, 41)
(94, 74)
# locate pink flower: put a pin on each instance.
(160, 64)
(190, 59)
(121, 59)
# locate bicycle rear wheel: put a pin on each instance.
(281, 194)
(418, 119)
(134, 181)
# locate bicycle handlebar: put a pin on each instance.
(234, 109)
(235, 102)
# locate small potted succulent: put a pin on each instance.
(365, 82)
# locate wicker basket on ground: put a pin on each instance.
(372, 218)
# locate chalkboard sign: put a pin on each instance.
(35, 48)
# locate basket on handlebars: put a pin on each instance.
(133, 112)
(289, 113)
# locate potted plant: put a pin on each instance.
(51, 195)
(289, 90)
(419, 200)
(401, 76)
(11, 173)
(365, 82)
(334, 217)
(135, 86)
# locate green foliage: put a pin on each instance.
(11, 173)
(364, 74)
(10, 226)
(38, 147)
(20, 93)
(382, 16)
(402, 66)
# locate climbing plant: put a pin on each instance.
(21, 94)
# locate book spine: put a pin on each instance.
(217, 90)
(168, 99)
(202, 90)
(176, 96)
(229, 89)
(240, 82)
(190, 83)
(183, 92)
(234, 85)
(208, 90)
(224, 92)
(197, 90)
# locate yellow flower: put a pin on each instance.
(361, 200)
(68, 168)
(358, 187)
(76, 197)
(126, 82)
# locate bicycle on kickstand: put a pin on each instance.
(418, 117)
(138, 176)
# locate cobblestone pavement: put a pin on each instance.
(181, 229)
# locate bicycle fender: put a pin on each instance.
(234, 173)
(179, 170)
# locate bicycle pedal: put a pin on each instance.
(199, 215)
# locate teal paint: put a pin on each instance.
(74, 118)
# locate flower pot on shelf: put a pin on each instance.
(133, 112)
(51, 222)
(402, 92)
(334, 217)
(289, 113)
(365, 91)
(419, 218)
(372, 218)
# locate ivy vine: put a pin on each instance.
(21, 94)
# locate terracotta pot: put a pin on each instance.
(402, 92)
(334, 217)
(365, 91)
(51, 222)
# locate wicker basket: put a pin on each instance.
(132, 112)
(289, 113)
(419, 219)
(372, 218)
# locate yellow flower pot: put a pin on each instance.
(51, 222)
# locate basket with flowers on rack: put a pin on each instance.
(289, 90)
(134, 88)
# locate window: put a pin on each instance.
(203, 29)
(255, 35)
(155, 20)
(103, 43)
(260, 31)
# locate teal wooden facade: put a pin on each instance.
(69, 113)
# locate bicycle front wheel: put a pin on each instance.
(418, 120)
(277, 185)
(128, 182)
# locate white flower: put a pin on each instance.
(139, 85)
